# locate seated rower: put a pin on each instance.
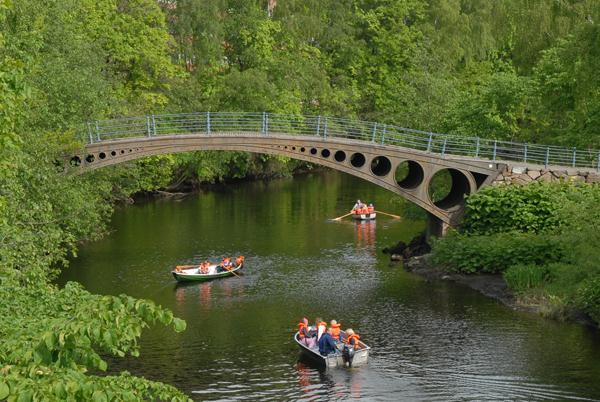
(225, 264)
(203, 269)
(335, 330)
(357, 207)
(326, 344)
(371, 208)
(352, 339)
(304, 335)
(239, 261)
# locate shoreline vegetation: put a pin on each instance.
(532, 247)
(413, 63)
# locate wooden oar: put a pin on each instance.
(231, 271)
(343, 216)
(385, 213)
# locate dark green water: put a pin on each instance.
(431, 341)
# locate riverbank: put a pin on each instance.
(495, 287)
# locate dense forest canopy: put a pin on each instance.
(523, 70)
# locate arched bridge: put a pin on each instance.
(401, 160)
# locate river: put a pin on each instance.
(431, 340)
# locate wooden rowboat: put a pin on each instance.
(364, 217)
(340, 359)
(191, 273)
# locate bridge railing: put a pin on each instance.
(332, 127)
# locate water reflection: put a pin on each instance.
(365, 233)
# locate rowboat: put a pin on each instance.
(364, 217)
(191, 273)
(344, 358)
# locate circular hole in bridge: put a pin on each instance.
(313, 151)
(381, 166)
(101, 155)
(325, 153)
(340, 156)
(357, 160)
(448, 188)
(90, 158)
(293, 148)
(409, 174)
(302, 149)
(75, 161)
(113, 153)
(122, 151)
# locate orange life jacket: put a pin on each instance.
(301, 326)
(371, 209)
(355, 338)
(335, 331)
(364, 210)
(239, 260)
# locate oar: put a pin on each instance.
(343, 216)
(232, 271)
(385, 213)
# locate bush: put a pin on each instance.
(495, 253)
(534, 208)
(523, 277)
(588, 297)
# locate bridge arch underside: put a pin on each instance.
(402, 171)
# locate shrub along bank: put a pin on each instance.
(543, 238)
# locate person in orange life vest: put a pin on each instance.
(371, 208)
(304, 334)
(352, 339)
(357, 207)
(225, 263)
(203, 269)
(239, 260)
(335, 330)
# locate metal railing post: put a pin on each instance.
(263, 124)
(148, 132)
(325, 129)
(207, 122)
(374, 132)
(598, 166)
(318, 125)
(494, 151)
(429, 142)
(98, 131)
(153, 125)
(477, 147)
(444, 146)
(547, 157)
(383, 134)
(266, 123)
(90, 132)
(574, 156)
(525, 154)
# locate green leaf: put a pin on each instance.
(179, 324)
(99, 396)
(4, 390)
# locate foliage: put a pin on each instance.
(524, 277)
(51, 337)
(536, 208)
(542, 237)
(495, 253)
(588, 297)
